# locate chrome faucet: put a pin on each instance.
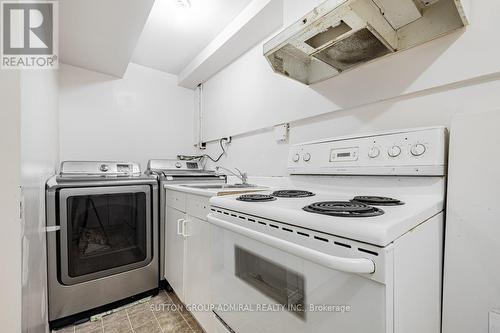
(241, 175)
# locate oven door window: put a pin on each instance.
(283, 285)
(104, 233)
(249, 273)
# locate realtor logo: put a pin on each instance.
(29, 34)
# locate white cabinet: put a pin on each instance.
(197, 269)
(187, 257)
(175, 249)
(220, 327)
(176, 200)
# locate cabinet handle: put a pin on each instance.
(179, 231)
(184, 224)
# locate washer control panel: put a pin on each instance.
(408, 152)
(173, 165)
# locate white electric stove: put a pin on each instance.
(354, 245)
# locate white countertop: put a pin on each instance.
(213, 192)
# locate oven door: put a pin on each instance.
(104, 231)
(263, 283)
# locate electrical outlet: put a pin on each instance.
(281, 133)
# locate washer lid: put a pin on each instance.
(178, 168)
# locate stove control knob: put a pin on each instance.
(307, 157)
(418, 149)
(296, 158)
(178, 165)
(394, 151)
(374, 152)
(104, 167)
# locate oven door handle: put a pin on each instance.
(348, 265)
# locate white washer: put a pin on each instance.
(171, 172)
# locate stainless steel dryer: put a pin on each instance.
(169, 172)
(102, 238)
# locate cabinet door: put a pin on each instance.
(197, 270)
(174, 250)
(219, 326)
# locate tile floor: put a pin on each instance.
(161, 314)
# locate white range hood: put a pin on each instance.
(339, 35)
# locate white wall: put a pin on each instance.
(144, 115)
(101, 35)
(28, 150)
(419, 87)
(10, 236)
(39, 159)
(259, 154)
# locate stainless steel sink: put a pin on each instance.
(221, 186)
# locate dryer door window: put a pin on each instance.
(104, 233)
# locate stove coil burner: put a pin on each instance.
(378, 201)
(255, 198)
(343, 209)
(292, 194)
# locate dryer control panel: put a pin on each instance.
(99, 168)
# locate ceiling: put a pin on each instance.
(173, 35)
(101, 35)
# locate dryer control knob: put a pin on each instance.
(394, 151)
(418, 149)
(307, 157)
(104, 167)
(296, 158)
(178, 165)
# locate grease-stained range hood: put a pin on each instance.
(339, 35)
